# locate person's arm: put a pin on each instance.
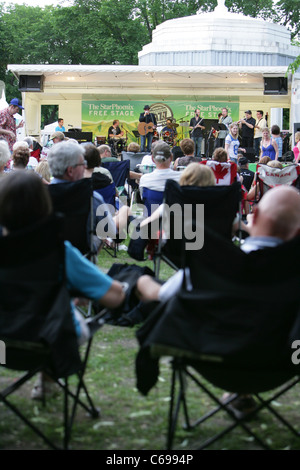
(175, 164)
(274, 143)
(114, 296)
(227, 146)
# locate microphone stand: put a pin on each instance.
(207, 143)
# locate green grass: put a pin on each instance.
(129, 420)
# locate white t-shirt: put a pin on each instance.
(233, 147)
(157, 179)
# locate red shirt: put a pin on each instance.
(8, 122)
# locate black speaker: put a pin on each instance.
(31, 83)
(275, 86)
(296, 127)
(249, 154)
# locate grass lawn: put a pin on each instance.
(130, 421)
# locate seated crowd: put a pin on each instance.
(268, 220)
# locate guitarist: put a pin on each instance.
(147, 117)
(197, 126)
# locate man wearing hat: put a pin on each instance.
(247, 174)
(247, 125)
(57, 137)
(147, 117)
(8, 128)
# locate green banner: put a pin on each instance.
(98, 116)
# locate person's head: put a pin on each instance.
(176, 152)
(43, 169)
(115, 123)
(29, 141)
(66, 161)
(187, 146)
(275, 164)
(147, 108)
(162, 155)
(259, 114)
(196, 174)
(104, 151)
(4, 154)
(24, 200)
(197, 111)
(57, 137)
(153, 145)
(234, 129)
(169, 122)
(248, 114)
(133, 147)
(220, 155)
(224, 112)
(21, 156)
(60, 122)
(92, 156)
(14, 106)
(275, 130)
(266, 133)
(297, 137)
(264, 160)
(243, 162)
(277, 214)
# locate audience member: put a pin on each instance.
(93, 159)
(176, 152)
(269, 147)
(157, 179)
(232, 142)
(275, 133)
(261, 123)
(264, 160)
(188, 148)
(4, 154)
(275, 164)
(296, 149)
(43, 170)
(57, 137)
(24, 200)
(20, 156)
(248, 175)
(133, 147)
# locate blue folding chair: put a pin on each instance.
(152, 199)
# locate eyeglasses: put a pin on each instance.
(84, 163)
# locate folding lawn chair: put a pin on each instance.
(268, 177)
(120, 173)
(36, 324)
(232, 326)
(75, 201)
(221, 205)
(225, 172)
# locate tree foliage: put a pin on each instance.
(106, 31)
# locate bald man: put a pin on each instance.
(276, 219)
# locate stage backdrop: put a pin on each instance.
(98, 116)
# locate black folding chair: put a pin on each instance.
(232, 326)
(221, 205)
(75, 201)
(36, 324)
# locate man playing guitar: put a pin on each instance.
(196, 126)
(149, 121)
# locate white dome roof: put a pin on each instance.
(219, 38)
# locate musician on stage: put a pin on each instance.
(197, 126)
(115, 135)
(171, 129)
(115, 131)
(147, 117)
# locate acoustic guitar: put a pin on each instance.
(145, 127)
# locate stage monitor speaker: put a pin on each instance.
(249, 154)
(296, 127)
(275, 86)
(31, 83)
